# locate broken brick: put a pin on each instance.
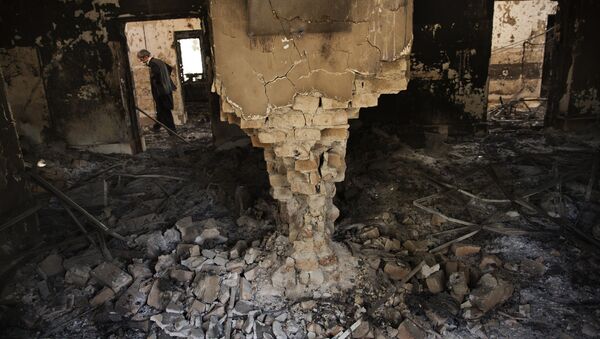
(463, 250)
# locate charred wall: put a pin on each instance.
(449, 67)
(13, 192)
(574, 100)
(83, 62)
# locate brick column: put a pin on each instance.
(305, 147)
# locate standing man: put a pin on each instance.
(162, 88)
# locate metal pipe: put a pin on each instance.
(163, 125)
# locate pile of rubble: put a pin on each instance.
(188, 281)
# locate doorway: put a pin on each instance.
(158, 37)
(520, 47)
(192, 66)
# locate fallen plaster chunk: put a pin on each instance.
(490, 292)
(112, 276)
(51, 266)
(463, 250)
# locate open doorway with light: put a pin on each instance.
(521, 46)
(195, 84)
(178, 43)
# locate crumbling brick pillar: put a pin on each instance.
(305, 148)
(290, 74)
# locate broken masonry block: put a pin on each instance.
(112, 276)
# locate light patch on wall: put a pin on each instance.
(518, 42)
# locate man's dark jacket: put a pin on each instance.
(160, 78)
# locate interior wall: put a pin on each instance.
(157, 36)
(25, 90)
(574, 99)
(516, 62)
(449, 68)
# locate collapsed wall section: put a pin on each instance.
(291, 76)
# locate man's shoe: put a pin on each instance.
(156, 128)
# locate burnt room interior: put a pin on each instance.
(335, 169)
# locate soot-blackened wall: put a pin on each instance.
(449, 66)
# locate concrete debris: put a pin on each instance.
(245, 289)
(490, 292)
(112, 276)
(463, 250)
(159, 296)
(457, 285)
(243, 307)
(238, 249)
(408, 330)
(251, 273)
(200, 232)
(278, 330)
(415, 246)
(78, 275)
(436, 282)
(139, 270)
(103, 296)
(174, 325)
(251, 255)
(426, 270)
(51, 266)
(165, 262)
(134, 298)
(207, 288)
(370, 233)
(396, 272)
(182, 276)
(490, 261)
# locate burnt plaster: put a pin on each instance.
(268, 17)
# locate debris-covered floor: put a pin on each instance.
(487, 237)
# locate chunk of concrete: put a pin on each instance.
(463, 250)
(51, 266)
(181, 275)
(396, 272)
(103, 296)
(78, 275)
(245, 289)
(159, 295)
(139, 270)
(207, 288)
(133, 299)
(238, 249)
(457, 284)
(436, 282)
(370, 233)
(408, 330)
(490, 261)
(490, 292)
(112, 276)
(165, 262)
(251, 255)
(427, 270)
